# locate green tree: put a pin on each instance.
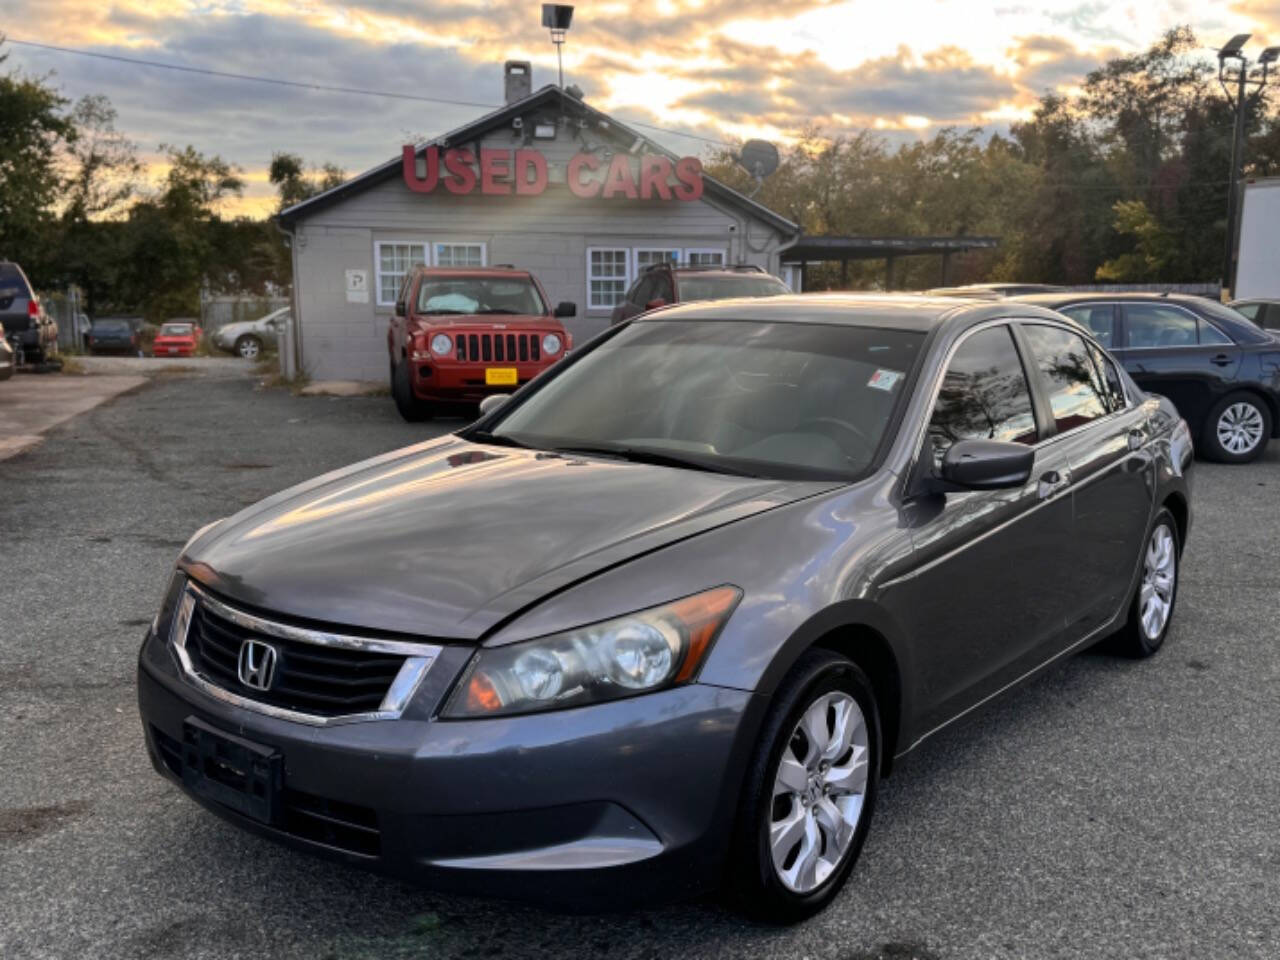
(288, 172)
(1155, 247)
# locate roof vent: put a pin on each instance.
(517, 80)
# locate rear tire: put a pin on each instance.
(412, 408)
(1151, 610)
(809, 792)
(248, 347)
(1237, 429)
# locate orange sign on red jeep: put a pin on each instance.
(461, 334)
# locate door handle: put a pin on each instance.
(1220, 360)
(1051, 481)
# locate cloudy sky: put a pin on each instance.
(711, 67)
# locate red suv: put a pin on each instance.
(667, 283)
(461, 334)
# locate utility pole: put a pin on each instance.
(556, 17)
(1234, 50)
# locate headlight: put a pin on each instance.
(441, 344)
(551, 343)
(168, 603)
(636, 653)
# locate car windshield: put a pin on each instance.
(176, 330)
(480, 295)
(694, 287)
(785, 400)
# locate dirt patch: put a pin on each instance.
(20, 824)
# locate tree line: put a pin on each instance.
(1122, 180)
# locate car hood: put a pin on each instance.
(449, 538)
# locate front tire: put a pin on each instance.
(412, 408)
(1237, 429)
(809, 792)
(249, 347)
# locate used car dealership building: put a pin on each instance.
(546, 183)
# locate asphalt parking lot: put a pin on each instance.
(1108, 809)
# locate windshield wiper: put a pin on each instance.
(657, 457)
(439, 313)
(498, 440)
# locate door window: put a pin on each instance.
(1209, 334)
(1115, 396)
(1250, 310)
(984, 395)
(1154, 325)
(663, 289)
(1098, 319)
(1077, 393)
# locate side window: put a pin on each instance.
(663, 288)
(1077, 393)
(1111, 382)
(1271, 316)
(984, 395)
(1250, 310)
(1209, 334)
(640, 293)
(1098, 319)
(1153, 325)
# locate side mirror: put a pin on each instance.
(400, 308)
(493, 402)
(655, 303)
(566, 308)
(987, 464)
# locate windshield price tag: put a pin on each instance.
(884, 380)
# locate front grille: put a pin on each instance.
(320, 680)
(499, 347)
(343, 826)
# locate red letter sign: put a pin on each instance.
(618, 179)
(409, 161)
(654, 174)
(494, 164)
(525, 159)
(689, 173)
(463, 178)
(576, 186)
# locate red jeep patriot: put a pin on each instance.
(460, 334)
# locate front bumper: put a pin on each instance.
(588, 808)
(437, 379)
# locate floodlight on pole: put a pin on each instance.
(1240, 78)
(556, 17)
(1230, 50)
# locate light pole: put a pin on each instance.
(1234, 50)
(557, 17)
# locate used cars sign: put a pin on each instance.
(524, 172)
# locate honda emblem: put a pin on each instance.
(257, 664)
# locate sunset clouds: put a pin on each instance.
(717, 68)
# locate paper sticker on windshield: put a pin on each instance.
(884, 380)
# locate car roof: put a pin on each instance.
(898, 311)
(1100, 296)
(503, 271)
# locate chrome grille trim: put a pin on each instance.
(418, 659)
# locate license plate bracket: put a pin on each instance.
(229, 770)
(501, 376)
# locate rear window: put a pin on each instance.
(176, 329)
(112, 326)
(1235, 326)
(12, 282)
(694, 287)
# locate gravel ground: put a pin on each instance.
(1108, 809)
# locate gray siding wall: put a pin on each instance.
(547, 234)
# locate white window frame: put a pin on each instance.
(435, 251)
(628, 276)
(378, 272)
(691, 252)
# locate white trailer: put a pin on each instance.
(1258, 260)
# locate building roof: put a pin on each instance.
(547, 96)
(818, 249)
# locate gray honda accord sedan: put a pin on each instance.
(662, 620)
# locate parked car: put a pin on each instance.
(980, 290)
(249, 338)
(663, 284)
(667, 615)
(7, 360)
(113, 335)
(32, 333)
(1220, 370)
(1265, 313)
(461, 334)
(176, 339)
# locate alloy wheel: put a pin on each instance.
(249, 349)
(818, 792)
(1240, 428)
(1159, 574)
